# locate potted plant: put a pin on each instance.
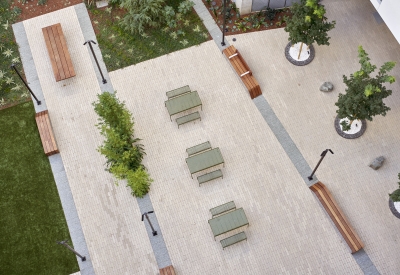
(394, 201)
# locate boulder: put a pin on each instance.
(326, 87)
(377, 163)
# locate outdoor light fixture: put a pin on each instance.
(15, 69)
(95, 58)
(147, 217)
(64, 243)
(322, 157)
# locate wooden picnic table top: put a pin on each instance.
(182, 103)
(228, 222)
(204, 160)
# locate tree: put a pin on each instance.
(364, 94)
(308, 24)
(123, 152)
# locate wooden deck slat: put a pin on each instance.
(169, 270)
(55, 53)
(60, 49)
(46, 133)
(51, 53)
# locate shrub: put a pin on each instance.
(185, 6)
(395, 196)
(42, 2)
(123, 152)
(142, 14)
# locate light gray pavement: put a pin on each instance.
(110, 217)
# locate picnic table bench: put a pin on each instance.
(338, 218)
(182, 103)
(177, 92)
(168, 270)
(188, 118)
(58, 52)
(205, 160)
(228, 222)
(218, 210)
(46, 133)
(198, 148)
(243, 70)
(210, 176)
(233, 239)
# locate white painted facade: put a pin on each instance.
(389, 10)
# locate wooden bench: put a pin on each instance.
(169, 270)
(46, 133)
(198, 148)
(333, 210)
(222, 208)
(243, 70)
(188, 118)
(210, 176)
(177, 92)
(58, 52)
(233, 239)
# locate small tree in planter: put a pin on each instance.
(364, 94)
(308, 24)
(395, 196)
(394, 201)
(123, 152)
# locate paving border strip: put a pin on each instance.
(157, 242)
(57, 166)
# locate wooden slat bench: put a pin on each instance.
(233, 239)
(177, 92)
(333, 210)
(190, 117)
(169, 270)
(46, 133)
(222, 208)
(243, 70)
(210, 176)
(198, 148)
(58, 52)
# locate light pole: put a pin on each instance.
(322, 157)
(37, 100)
(223, 27)
(64, 243)
(95, 58)
(147, 217)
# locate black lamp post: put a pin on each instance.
(322, 157)
(223, 27)
(95, 58)
(37, 100)
(64, 243)
(152, 228)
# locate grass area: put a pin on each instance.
(121, 49)
(31, 219)
(11, 87)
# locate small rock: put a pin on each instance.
(326, 87)
(377, 163)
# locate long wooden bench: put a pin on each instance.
(169, 270)
(210, 176)
(243, 70)
(185, 119)
(58, 52)
(46, 133)
(337, 216)
(233, 239)
(218, 210)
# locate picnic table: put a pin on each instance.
(204, 160)
(182, 103)
(228, 222)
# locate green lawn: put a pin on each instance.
(31, 219)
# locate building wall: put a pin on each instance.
(389, 10)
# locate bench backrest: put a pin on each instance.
(222, 208)
(179, 91)
(198, 148)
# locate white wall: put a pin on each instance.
(389, 10)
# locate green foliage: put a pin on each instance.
(185, 7)
(42, 2)
(114, 3)
(169, 16)
(308, 23)
(395, 196)
(32, 218)
(123, 152)
(142, 14)
(17, 11)
(364, 94)
(270, 14)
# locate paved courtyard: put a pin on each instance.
(289, 232)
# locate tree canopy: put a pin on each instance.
(364, 94)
